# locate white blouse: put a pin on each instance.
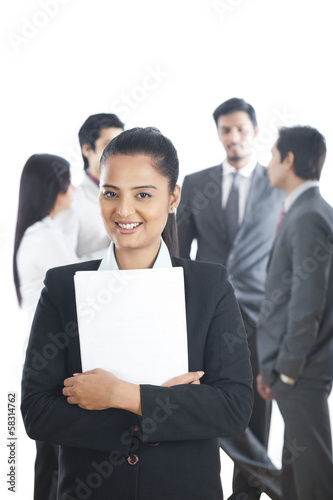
(43, 246)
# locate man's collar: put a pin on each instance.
(245, 171)
(91, 177)
(292, 197)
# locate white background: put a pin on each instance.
(85, 57)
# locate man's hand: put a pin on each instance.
(265, 391)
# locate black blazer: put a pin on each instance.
(175, 440)
(200, 216)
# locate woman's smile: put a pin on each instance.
(128, 227)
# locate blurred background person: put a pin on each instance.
(295, 341)
(82, 223)
(232, 212)
(45, 192)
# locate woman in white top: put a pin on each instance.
(45, 191)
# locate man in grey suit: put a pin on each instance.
(295, 339)
(232, 212)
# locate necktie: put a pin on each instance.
(232, 208)
(282, 214)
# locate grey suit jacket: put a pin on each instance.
(296, 322)
(200, 217)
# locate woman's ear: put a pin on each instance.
(175, 197)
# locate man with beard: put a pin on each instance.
(232, 213)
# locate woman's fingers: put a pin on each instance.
(186, 378)
(93, 390)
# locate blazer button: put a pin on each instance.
(133, 459)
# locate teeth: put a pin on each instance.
(128, 226)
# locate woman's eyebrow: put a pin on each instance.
(145, 187)
(110, 186)
(133, 188)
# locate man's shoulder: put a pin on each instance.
(311, 202)
(208, 173)
(260, 173)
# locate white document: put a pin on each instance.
(133, 323)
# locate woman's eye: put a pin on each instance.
(109, 194)
(143, 195)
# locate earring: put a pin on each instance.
(173, 210)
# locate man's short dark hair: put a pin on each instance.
(232, 105)
(92, 127)
(309, 149)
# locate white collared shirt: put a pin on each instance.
(109, 262)
(82, 223)
(296, 193)
(43, 246)
(244, 184)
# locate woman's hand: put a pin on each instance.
(187, 378)
(99, 389)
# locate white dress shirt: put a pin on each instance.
(163, 259)
(243, 187)
(43, 246)
(82, 223)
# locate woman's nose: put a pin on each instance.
(125, 207)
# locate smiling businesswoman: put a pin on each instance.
(120, 440)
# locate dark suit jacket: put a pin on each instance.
(296, 332)
(176, 440)
(200, 217)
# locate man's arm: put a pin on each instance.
(310, 269)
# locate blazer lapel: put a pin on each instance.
(303, 197)
(259, 189)
(216, 177)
